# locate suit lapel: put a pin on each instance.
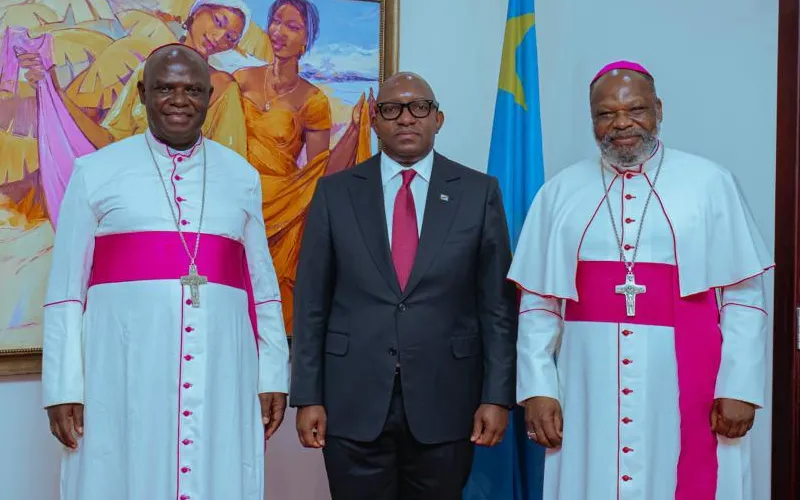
(366, 194)
(444, 195)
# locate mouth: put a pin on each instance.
(277, 45)
(208, 44)
(177, 118)
(406, 134)
(626, 141)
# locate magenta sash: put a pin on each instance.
(698, 351)
(160, 255)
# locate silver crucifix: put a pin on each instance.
(194, 281)
(630, 289)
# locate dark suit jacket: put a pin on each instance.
(453, 329)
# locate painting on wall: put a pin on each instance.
(68, 75)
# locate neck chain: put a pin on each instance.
(268, 102)
(192, 278)
(629, 265)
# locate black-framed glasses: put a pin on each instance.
(420, 108)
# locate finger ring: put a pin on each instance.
(531, 435)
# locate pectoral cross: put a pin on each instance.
(194, 281)
(630, 289)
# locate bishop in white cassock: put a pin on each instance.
(643, 392)
(153, 372)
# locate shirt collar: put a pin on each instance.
(390, 168)
(161, 149)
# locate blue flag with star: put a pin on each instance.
(513, 469)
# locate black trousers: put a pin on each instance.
(396, 466)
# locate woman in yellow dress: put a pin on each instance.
(284, 114)
(113, 111)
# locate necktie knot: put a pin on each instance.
(408, 175)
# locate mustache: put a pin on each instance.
(623, 135)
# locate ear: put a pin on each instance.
(659, 111)
(140, 87)
(210, 92)
(373, 116)
(439, 121)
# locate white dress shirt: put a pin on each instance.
(392, 181)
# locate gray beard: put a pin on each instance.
(622, 157)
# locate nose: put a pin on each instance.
(216, 35)
(278, 32)
(179, 98)
(406, 118)
(622, 121)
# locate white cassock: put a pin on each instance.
(636, 392)
(170, 390)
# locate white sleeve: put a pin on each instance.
(743, 371)
(273, 347)
(539, 336)
(73, 250)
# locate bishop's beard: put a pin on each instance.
(628, 156)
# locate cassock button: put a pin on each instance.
(186, 470)
(626, 391)
(187, 413)
(627, 450)
(187, 442)
(178, 177)
(626, 361)
(188, 357)
(185, 497)
(180, 158)
(186, 385)
(189, 329)
(626, 478)
(629, 176)
(626, 420)
(188, 302)
(628, 246)
(179, 199)
(184, 222)
(629, 196)
(627, 332)
(629, 220)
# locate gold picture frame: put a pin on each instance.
(29, 361)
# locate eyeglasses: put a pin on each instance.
(419, 109)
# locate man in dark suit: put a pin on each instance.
(405, 326)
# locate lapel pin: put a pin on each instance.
(444, 197)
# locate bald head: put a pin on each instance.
(619, 77)
(405, 82)
(175, 53)
(407, 118)
(176, 91)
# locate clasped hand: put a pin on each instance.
(732, 418)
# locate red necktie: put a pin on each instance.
(405, 236)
